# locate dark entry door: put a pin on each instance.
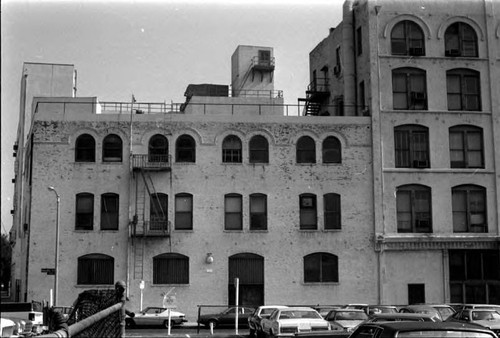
(249, 269)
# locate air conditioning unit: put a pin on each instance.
(452, 52)
(422, 224)
(421, 164)
(416, 51)
(418, 96)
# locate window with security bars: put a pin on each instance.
(411, 145)
(184, 211)
(95, 269)
(463, 90)
(466, 147)
(258, 212)
(332, 212)
(332, 150)
(109, 211)
(259, 149)
(308, 212)
(85, 148)
(407, 38)
(231, 149)
(233, 218)
(158, 149)
(112, 148)
(171, 268)
(460, 39)
(185, 149)
(306, 150)
(321, 267)
(413, 207)
(84, 216)
(469, 209)
(158, 212)
(409, 89)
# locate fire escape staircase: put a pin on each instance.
(316, 94)
(256, 64)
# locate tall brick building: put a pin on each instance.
(384, 188)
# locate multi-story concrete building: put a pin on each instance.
(427, 73)
(183, 199)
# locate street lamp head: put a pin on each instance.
(51, 188)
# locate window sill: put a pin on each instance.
(232, 163)
(183, 230)
(332, 230)
(95, 286)
(319, 283)
(84, 230)
(232, 231)
(164, 285)
(308, 230)
(184, 163)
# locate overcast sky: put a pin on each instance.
(151, 49)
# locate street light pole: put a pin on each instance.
(56, 259)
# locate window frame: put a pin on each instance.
(85, 152)
(331, 150)
(112, 148)
(481, 212)
(84, 219)
(258, 153)
(306, 150)
(469, 101)
(258, 216)
(185, 149)
(86, 273)
(158, 211)
(113, 216)
(184, 216)
(236, 215)
(415, 99)
(465, 132)
(177, 269)
(409, 143)
(232, 149)
(315, 264)
(332, 211)
(158, 152)
(460, 35)
(418, 215)
(412, 45)
(308, 209)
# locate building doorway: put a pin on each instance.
(249, 269)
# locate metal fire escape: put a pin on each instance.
(316, 94)
(155, 224)
(258, 64)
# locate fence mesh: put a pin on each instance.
(91, 302)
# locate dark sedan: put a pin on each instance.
(226, 317)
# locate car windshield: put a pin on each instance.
(150, 311)
(299, 314)
(485, 315)
(351, 315)
(267, 311)
(446, 334)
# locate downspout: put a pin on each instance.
(20, 178)
(355, 61)
(348, 59)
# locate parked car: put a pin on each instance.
(488, 318)
(382, 309)
(155, 316)
(421, 330)
(481, 306)
(255, 318)
(399, 317)
(346, 319)
(7, 327)
(324, 309)
(227, 317)
(286, 322)
(444, 310)
(421, 309)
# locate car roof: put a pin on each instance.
(402, 315)
(347, 310)
(296, 308)
(410, 326)
(273, 306)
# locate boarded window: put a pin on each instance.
(321, 268)
(170, 268)
(96, 269)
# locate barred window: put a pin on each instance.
(321, 267)
(171, 268)
(96, 269)
(109, 211)
(85, 148)
(231, 149)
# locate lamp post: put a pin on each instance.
(56, 259)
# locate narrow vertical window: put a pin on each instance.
(233, 219)
(183, 212)
(308, 212)
(84, 211)
(109, 211)
(158, 212)
(258, 212)
(332, 211)
(112, 148)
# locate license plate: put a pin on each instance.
(304, 327)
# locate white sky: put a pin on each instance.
(152, 49)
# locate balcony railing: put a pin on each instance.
(151, 162)
(151, 229)
(262, 64)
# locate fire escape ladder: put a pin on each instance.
(245, 78)
(150, 188)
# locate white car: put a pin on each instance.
(346, 319)
(156, 316)
(288, 321)
(8, 327)
(258, 315)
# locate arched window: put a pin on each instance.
(469, 208)
(170, 268)
(158, 212)
(463, 89)
(158, 149)
(84, 216)
(332, 150)
(332, 211)
(409, 89)
(185, 149)
(407, 38)
(306, 150)
(460, 39)
(85, 148)
(413, 204)
(411, 145)
(259, 149)
(231, 149)
(233, 213)
(112, 148)
(109, 211)
(184, 211)
(308, 212)
(321, 267)
(96, 269)
(466, 147)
